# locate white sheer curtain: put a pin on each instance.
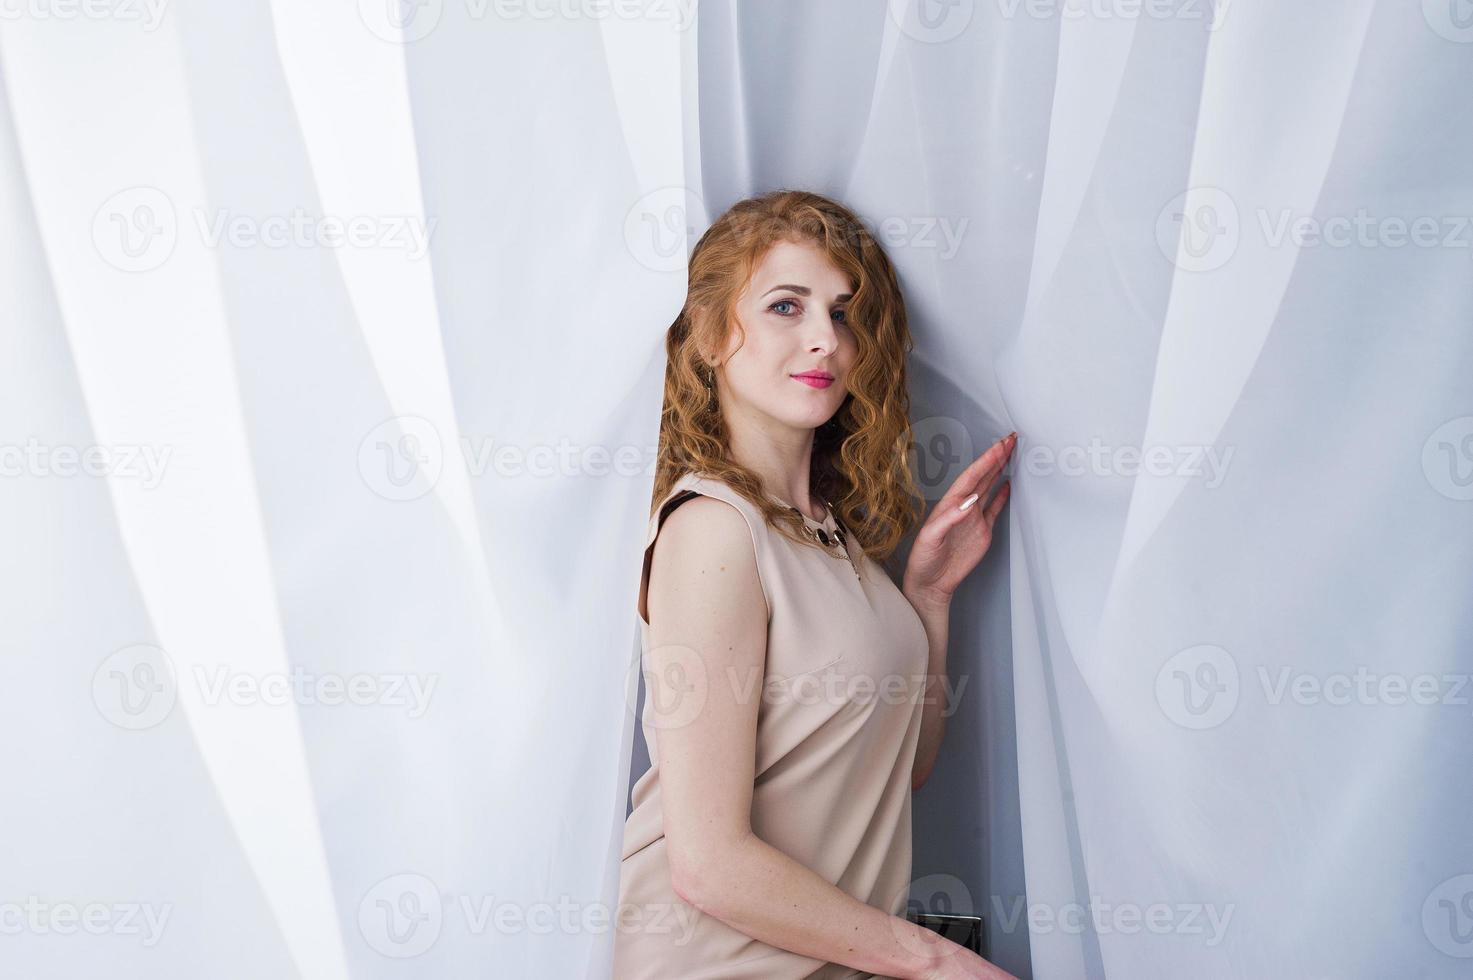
(333, 348)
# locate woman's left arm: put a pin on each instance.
(934, 616)
(951, 542)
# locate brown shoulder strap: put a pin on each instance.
(649, 548)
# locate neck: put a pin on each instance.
(781, 456)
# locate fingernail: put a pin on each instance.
(968, 502)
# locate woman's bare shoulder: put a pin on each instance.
(705, 552)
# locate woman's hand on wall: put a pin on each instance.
(954, 538)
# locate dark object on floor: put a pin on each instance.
(964, 930)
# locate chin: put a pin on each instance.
(810, 420)
(808, 413)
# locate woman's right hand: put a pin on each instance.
(961, 963)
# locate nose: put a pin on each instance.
(823, 336)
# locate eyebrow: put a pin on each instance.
(805, 291)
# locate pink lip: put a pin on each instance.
(814, 380)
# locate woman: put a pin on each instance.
(792, 690)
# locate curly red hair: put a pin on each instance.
(860, 459)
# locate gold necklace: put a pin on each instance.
(822, 537)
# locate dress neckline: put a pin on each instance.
(828, 514)
(828, 522)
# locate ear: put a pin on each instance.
(702, 320)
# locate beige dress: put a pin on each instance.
(837, 727)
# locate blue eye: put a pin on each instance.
(839, 315)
